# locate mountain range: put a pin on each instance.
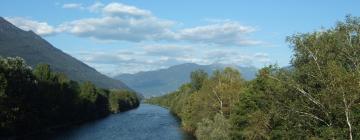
(159, 82)
(34, 50)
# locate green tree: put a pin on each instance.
(216, 95)
(17, 85)
(88, 92)
(33, 100)
(316, 98)
(319, 94)
(3, 84)
(122, 100)
(197, 78)
(222, 90)
(216, 129)
(43, 72)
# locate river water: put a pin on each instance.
(147, 122)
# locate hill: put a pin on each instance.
(35, 50)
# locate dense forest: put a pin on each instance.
(33, 100)
(317, 97)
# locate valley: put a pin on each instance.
(179, 70)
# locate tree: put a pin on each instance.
(317, 97)
(3, 84)
(17, 85)
(88, 91)
(210, 103)
(122, 100)
(257, 115)
(216, 129)
(197, 78)
(324, 81)
(33, 100)
(43, 72)
(222, 90)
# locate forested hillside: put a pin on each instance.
(35, 100)
(317, 98)
(15, 42)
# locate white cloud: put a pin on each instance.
(225, 33)
(168, 50)
(262, 57)
(106, 58)
(233, 57)
(120, 22)
(40, 28)
(72, 6)
(114, 63)
(96, 7)
(151, 57)
(129, 23)
(117, 28)
(119, 9)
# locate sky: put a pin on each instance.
(128, 36)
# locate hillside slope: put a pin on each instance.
(35, 50)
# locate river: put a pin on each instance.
(147, 122)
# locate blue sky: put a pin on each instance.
(129, 36)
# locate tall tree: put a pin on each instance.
(325, 81)
(43, 72)
(197, 78)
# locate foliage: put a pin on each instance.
(122, 100)
(33, 100)
(216, 129)
(317, 97)
(197, 78)
(215, 95)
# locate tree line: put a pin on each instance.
(32, 100)
(317, 97)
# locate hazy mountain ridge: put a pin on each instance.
(158, 82)
(35, 50)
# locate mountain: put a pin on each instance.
(35, 50)
(159, 82)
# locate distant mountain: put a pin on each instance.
(159, 82)
(35, 50)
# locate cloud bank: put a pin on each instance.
(159, 42)
(121, 22)
(152, 57)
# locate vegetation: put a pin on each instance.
(316, 98)
(122, 100)
(160, 82)
(33, 100)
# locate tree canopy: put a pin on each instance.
(317, 97)
(32, 100)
